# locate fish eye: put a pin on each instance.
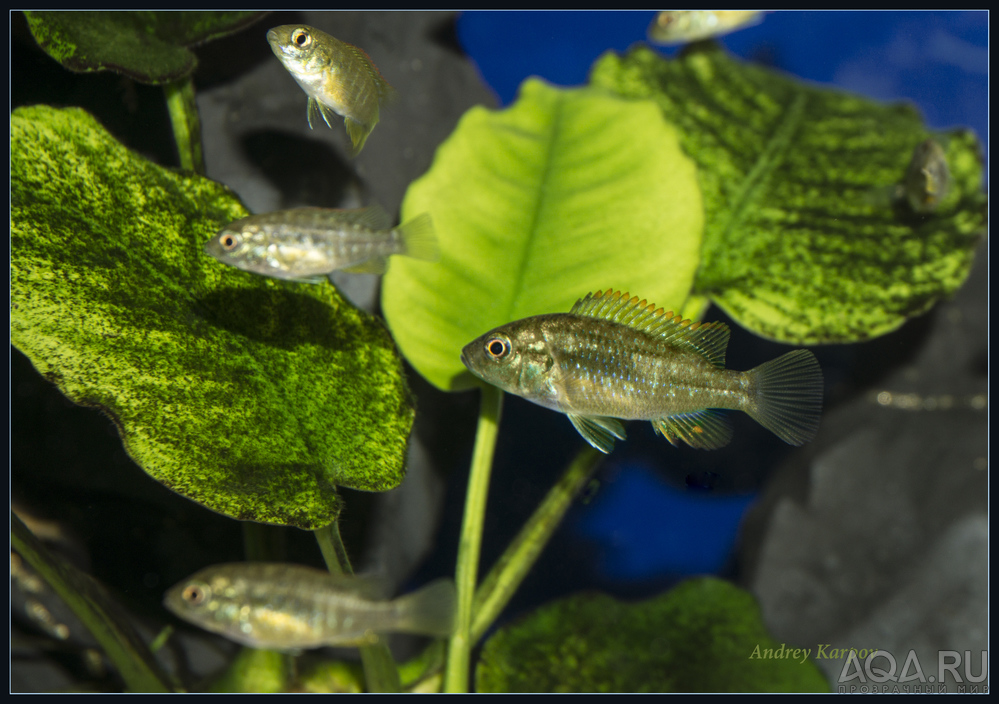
(193, 594)
(301, 38)
(228, 240)
(498, 347)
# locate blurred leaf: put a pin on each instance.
(91, 604)
(804, 240)
(699, 637)
(255, 671)
(150, 47)
(564, 193)
(252, 396)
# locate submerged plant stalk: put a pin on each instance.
(518, 559)
(186, 123)
(460, 645)
(380, 671)
(87, 599)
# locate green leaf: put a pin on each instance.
(805, 241)
(255, 671)
(252, 396)
(564, 193)
(703, 636)
(150, 47)
(96, 611)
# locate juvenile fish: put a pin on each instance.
(613, 356)
(288, 607)
(337, 76)
(682, 26)
(927, 180)
(308, 244)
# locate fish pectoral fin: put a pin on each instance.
(358, 132)
(375, 265)
(705, 430)
(599, 431)
(316, 107)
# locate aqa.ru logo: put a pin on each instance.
(873, 671)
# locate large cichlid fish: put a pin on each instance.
(291, 607)
(613, 356)
(307, 244)
(337, 76)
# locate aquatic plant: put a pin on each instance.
(258, 398)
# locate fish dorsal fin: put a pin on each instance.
(381, 85)
(706, 339)
(373, 217)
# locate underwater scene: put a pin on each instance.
(499, 351)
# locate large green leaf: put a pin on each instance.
(150, 47)
(804, 240)
(252, 396)
(703, 636)
(565, 192)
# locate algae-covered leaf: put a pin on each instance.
(805, 239)
(564, 193)
(150, 47)
(703, 636)
(252, 396)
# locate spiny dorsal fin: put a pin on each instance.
(706, 339)
(372, 217)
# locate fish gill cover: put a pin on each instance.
(251, 396)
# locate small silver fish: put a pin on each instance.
(338, 78)
(307, 244)
(613, 356)
(927, 180)
(288, 607)
(682, 26)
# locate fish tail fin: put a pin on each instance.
(429, 611)
(419, 239)
(358, 133)
(786, 396)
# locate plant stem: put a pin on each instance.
(509, 571)
(460, 645)
(380, 671)
(91, 604)
(186, 123)
(263, 543)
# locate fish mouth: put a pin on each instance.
(464, 359)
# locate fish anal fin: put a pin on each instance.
(358, 132)
(599, 431)
(708, 340)
(375, 265)
(705, 430)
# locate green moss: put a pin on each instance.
(252, 396)
(696, 638)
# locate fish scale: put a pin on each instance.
(616, 357)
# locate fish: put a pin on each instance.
(682, 26)
(338, 78)
(614, 357)
(289, 608)
(308, 244)
(927, 179)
